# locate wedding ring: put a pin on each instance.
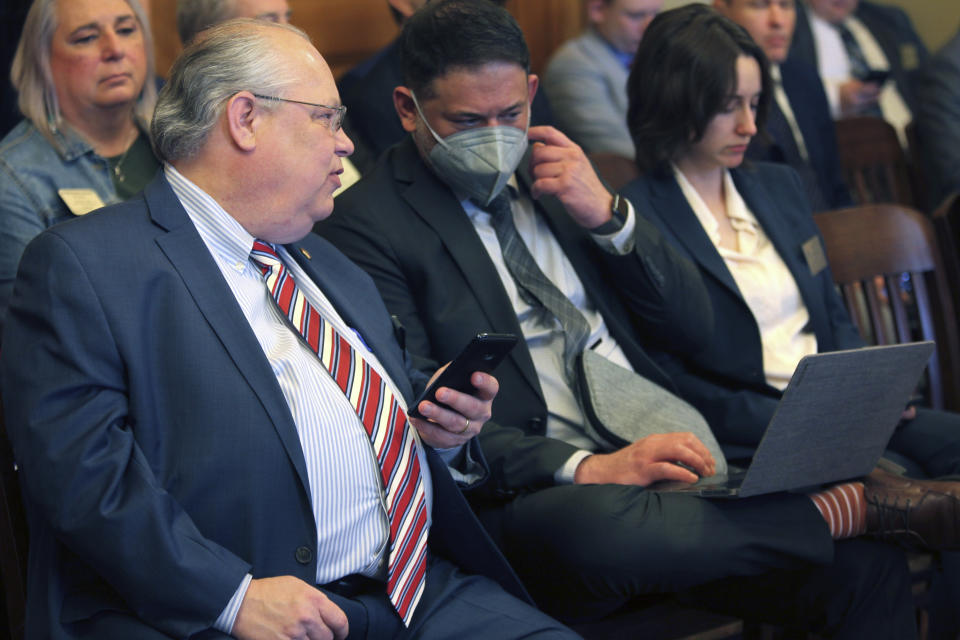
(465, 427)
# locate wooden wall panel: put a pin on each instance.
(346, 32)
(166, 42)
(546, 24)
(349, 31)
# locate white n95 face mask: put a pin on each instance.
(477, 162)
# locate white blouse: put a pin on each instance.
(764, 281)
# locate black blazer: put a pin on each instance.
(407, 229)
(726, 381)
(894, 33)
(821, 175)
(160, 461)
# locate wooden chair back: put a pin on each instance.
(874, 165)
(888, 266)
(614, 169)
(13, 539)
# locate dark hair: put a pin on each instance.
(682, 76)
(447, 34)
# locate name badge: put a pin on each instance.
(815, 255)
(909, 56)
(80, 201)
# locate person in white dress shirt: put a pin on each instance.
(853, 43)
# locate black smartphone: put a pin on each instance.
(878, 76)
(483, 353)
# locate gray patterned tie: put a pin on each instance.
(616, 401)
(536, 288)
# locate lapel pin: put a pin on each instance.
(306, 254)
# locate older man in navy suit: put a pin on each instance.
(209, 407)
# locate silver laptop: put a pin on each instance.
(832, 423)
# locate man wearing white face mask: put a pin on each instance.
(465, 228)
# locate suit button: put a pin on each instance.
(304, 555)
(654, 271)
(535, 426)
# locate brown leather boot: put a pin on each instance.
(915, 513)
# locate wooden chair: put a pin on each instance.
(874, 165)
(13, 539)
(614, 169)
(889, 269)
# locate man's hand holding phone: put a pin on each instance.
(458, 399)
(460, 416)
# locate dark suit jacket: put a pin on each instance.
(894, 33)
(160, 460)
(367, 91)
(821, 175)
(408, 230)
(726, 381)
(938, 122)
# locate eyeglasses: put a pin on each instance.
(335, 119)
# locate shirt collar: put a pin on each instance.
(626, 59)
(71, 145)
(736, 206)
(775, 74)
(219, 230)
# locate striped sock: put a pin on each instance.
(844, 508)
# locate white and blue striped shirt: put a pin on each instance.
(345, 484)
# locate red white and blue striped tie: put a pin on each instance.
(385, 423)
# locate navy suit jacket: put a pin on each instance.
(159, 458)
(726, 381)
(894, 33)
(821, 175)
(408, 230)
(938, 122)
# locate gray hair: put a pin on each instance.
(193, 16)
(237, 55)
(33, 79)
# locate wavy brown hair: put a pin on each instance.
(684, 73)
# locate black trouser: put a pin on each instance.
(584, 550)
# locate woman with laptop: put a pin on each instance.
(699, 91)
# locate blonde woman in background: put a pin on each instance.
(84, 75)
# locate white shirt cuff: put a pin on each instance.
(464, 469)
(564, 475)
(229, 615)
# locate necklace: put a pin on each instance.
(117, 170)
